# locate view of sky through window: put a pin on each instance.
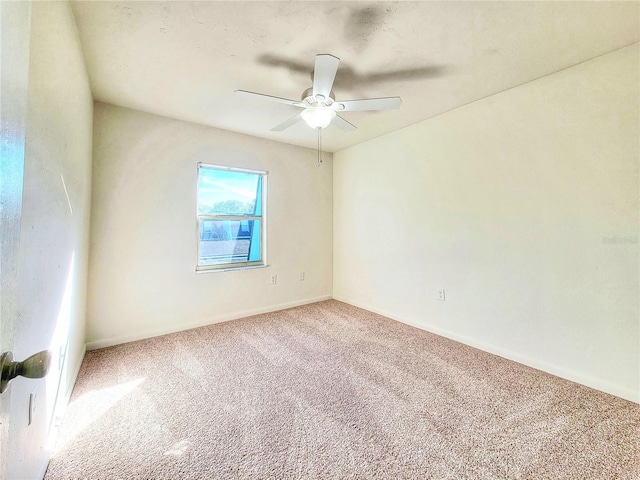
(226, 192)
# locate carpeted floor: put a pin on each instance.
(330, 391)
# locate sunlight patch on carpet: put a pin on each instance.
(178, 448)
(88, 408)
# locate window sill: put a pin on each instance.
(228, 269)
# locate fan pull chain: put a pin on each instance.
(319, 146)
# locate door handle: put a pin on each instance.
(36, 366)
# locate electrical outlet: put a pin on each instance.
(441, 295)
(274, 279)
(301, 276)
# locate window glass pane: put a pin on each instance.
(225, 192)
(255, 247)
(229, 241)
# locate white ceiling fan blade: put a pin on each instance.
(324, 73)
(342, 124)
(386, 103)
(286, 124)
(262, 96)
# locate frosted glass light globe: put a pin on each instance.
(318, 116)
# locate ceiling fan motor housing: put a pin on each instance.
(318, 100)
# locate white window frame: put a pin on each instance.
(223, 267)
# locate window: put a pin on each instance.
(231, 222)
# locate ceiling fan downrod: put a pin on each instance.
(319, 146)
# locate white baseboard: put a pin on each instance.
(595, 383)
(43, 468)
(108, 342)
(59, 412)
(76, 372)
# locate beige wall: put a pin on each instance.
(524, 208)
(142, 278)
(52, 265)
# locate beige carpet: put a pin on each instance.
(331, 391)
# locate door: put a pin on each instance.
(15, 27)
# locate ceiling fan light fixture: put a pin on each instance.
(318, 116)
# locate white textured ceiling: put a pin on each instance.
(184, 59)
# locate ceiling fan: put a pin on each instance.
(319, 103)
